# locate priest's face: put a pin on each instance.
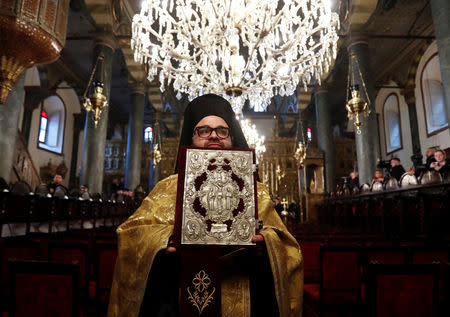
(219, 137)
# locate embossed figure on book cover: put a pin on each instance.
(219, 198)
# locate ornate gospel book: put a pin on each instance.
(216, 197)
(216, 208)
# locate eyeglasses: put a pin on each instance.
(204, 132)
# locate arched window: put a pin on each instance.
(392, 124)
(148, 134)
(433, 96)
(51, 127)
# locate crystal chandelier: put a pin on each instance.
(240, 49)
(254, 140)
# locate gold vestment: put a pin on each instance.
(147, 232)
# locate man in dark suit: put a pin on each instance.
(396, 170)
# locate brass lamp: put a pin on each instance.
(156, 154)
(97, 102)
(356, 106)
(300, 153)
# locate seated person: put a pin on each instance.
(139, 193)
(378, 176)
(429, 158)
(294, 211)
(396, 170)
(84, 192)
(442, 164)
(56, 188)
(354, 181)
(146, 277)
(115, 188)
(42, 190)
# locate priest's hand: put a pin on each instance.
(171, 249)
(257, 238)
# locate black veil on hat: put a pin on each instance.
(210, 105)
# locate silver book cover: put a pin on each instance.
(219, 198)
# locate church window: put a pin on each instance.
(148, 134)
(43, 126)
(51, 127)
(309, 134)
(392, 124)
(433, 96)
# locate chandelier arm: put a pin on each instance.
(302, 60)
(291, 42)
(260, 37)
(201, 47)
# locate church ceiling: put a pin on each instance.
(396, 33)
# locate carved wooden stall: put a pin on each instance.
(311, 182)
(278, 170)
(23, 166)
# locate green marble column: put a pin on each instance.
(324, 134)
(135, 138)
(416, 157)
(94, 143)
(78, 124)
(9, 124)
(440, 10)
(367, 143)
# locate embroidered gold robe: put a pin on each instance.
(147, 232)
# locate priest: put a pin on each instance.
(266, 280)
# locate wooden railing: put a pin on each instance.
(416, 210)
(22, 214)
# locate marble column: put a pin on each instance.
(324, 135)
(94, 143)
(367, 143)
(410, 99)
(9, 122)
(78, 125)
(155, 171)
(135, 137)
(440, 10)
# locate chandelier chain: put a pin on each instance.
(100, 58)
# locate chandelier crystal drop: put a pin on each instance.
(240, 49)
